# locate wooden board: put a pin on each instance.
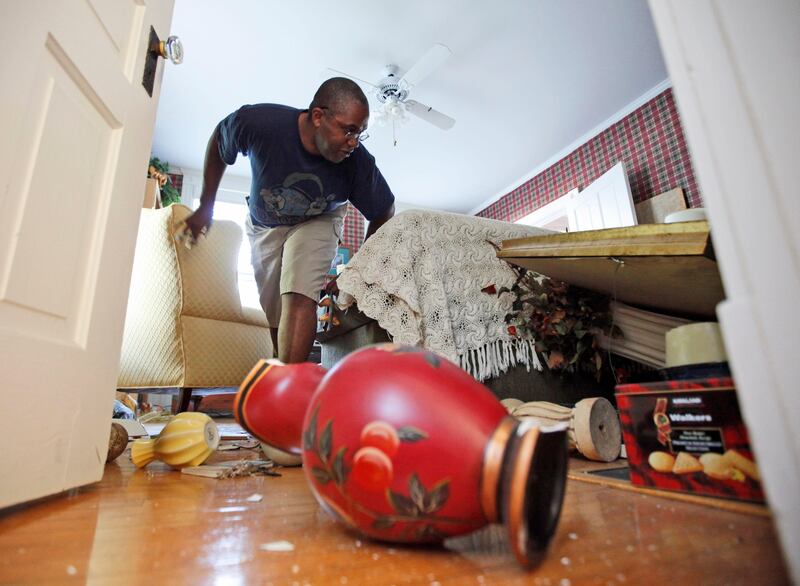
(682, 238)
(665, 267)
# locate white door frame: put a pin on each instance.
(734, 71)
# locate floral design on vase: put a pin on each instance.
(402, 445)
(409, 516)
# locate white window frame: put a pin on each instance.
(554, 211)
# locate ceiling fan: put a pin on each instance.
(393, 89)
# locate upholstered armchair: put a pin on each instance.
(185, 326)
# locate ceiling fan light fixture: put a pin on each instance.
(391, 111)
(395, 110)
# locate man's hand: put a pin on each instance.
(200, 221)
(194, 226)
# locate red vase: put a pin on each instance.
(272, 402)
(405, 446)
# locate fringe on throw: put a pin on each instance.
(497, 357)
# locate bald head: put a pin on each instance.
(338, 93)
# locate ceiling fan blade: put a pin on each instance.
(428, 114)
(430, 61)
(329, 72)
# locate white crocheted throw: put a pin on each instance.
(420, 277)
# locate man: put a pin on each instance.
(306, 165)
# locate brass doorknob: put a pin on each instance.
(171, 49)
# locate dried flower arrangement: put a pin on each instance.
(562, 319)
(159, 170)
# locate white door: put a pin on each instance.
(77, 125)
(606, 203)
(734, 69)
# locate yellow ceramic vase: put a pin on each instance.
(187, 440)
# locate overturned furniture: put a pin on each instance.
(424, 279)
(419, 280)
(663, 267)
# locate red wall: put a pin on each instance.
(651, 143)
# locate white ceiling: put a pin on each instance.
(526, 79)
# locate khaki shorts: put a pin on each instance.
(293, 259)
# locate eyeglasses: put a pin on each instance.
(348, 134)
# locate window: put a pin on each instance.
(551, 216)
(606, 203)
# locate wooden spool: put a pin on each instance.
(594, 429)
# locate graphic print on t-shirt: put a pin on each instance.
(300, 194)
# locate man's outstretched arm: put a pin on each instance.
(213, 169)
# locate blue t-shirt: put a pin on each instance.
(290, 184)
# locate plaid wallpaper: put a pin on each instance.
(650, 141)
(177, 181)
(353, 229)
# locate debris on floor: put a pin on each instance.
(117, 442)
(277, 546)
(238, 445)
(233, 469)
(156, 416)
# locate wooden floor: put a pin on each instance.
(157, 526)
